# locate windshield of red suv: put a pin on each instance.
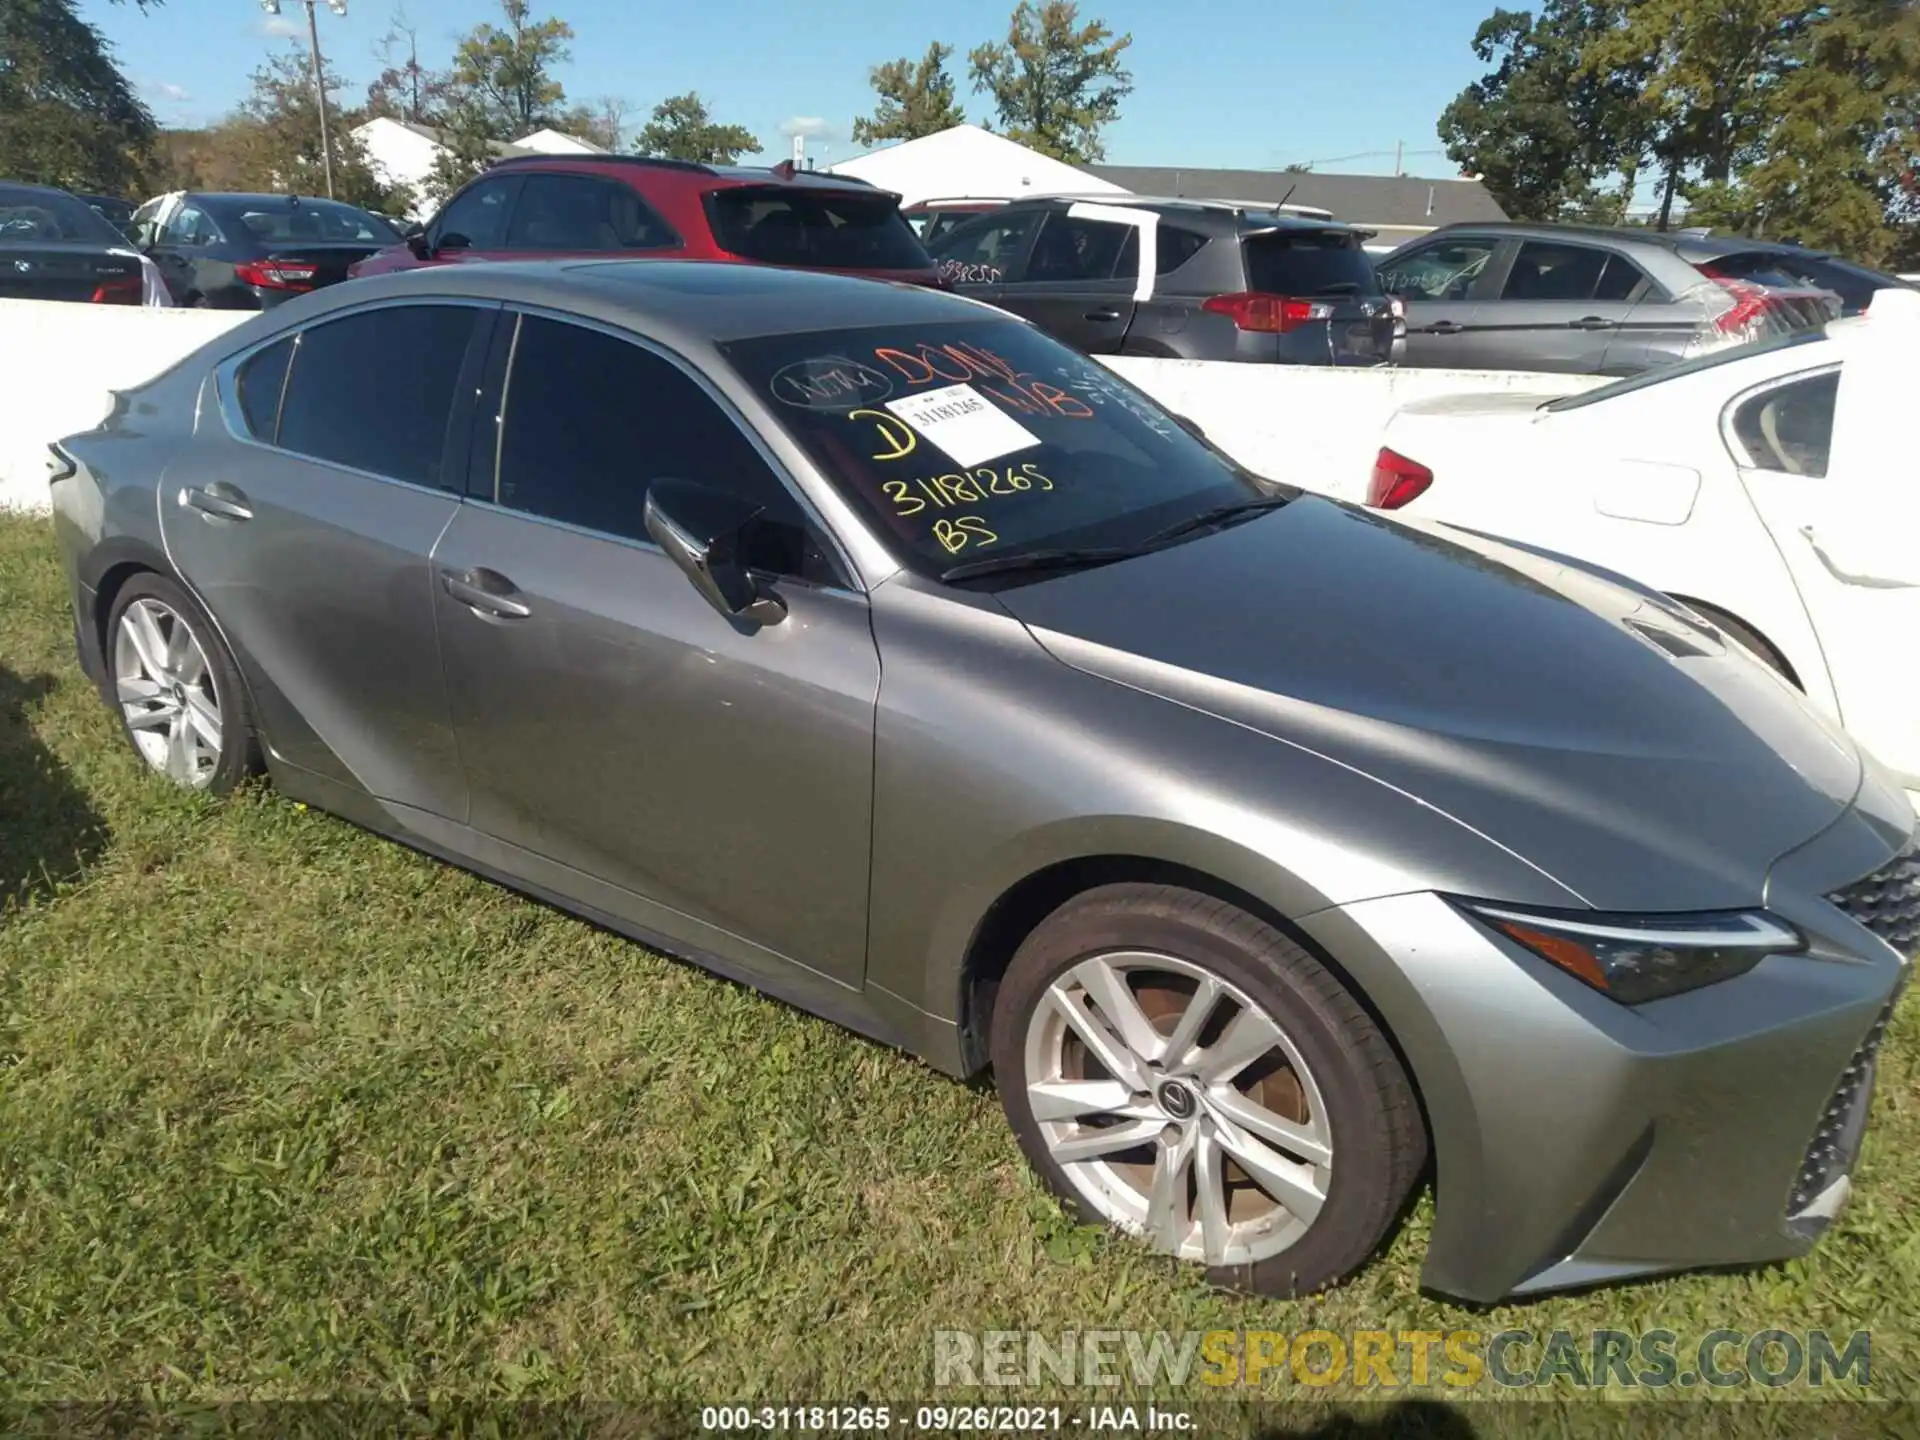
(986, 438)
(816, 229)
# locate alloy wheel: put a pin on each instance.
(1178, 1109)
(165, 689)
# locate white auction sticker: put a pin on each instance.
(964, 423)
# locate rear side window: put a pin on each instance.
(1309, 262)
(374, 391)
(577, 213)
(259, 382)
(1071, 248)
(592, 420)
(1789, 428)
(816, 229)
(1554, 272)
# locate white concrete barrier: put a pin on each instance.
(1305, 424)
(1310, 425)
(60, 363)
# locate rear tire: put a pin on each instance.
(1180, 1069)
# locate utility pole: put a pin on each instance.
(338, 7)
(1399, 157)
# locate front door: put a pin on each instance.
(976, 258)
(1072, 284)
(1441, 284)
(307, 532)
(718, 775)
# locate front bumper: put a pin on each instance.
(1578, 1141)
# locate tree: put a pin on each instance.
(504, 74)
(1055, 86)
(405, 89)
(916, 98)
(1541, 128)
(605, 121)
(68, 117)
(273, 140)
(681, 129)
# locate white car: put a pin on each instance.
(1773, 488)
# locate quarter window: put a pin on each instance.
(592, 420)
(1789, 429)
(260, 380)
(374, 391)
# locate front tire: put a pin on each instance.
(179, 696)
(1180, 1069)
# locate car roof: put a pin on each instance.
(1223, 215)
(261, 199)
(29, 185)
(784, 174)
(689, 304)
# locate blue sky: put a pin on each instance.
(1237, 83)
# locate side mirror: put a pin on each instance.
(416, 238)
(1190, 425)
(701, 530)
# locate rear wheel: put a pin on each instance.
(178, 694)
(1177, 1068)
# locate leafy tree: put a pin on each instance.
(504, 73)
(405, 89)
(1055, 83)
(916, 98)
(68, 116)
(1542, 128)
(273, 140)
(681, 129)
(605, 121)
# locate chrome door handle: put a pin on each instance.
(1442, 327)
(1102, 315)
(470, 591)
(1593, 322)
(232, 505)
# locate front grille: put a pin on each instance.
(1887, 902)
(1837, 1139)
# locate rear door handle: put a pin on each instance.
(1594, 322)
(221, 502)
(487, 592)
(1442, 327)
(1102, 315)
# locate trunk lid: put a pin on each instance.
(52, 271)
(330, 259)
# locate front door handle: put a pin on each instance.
(220, 502)
(1594, 322)
(1442, 327)
(487, 592)
(1103, 316)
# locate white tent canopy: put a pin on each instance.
(968, 162)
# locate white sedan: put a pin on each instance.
(1774, 488)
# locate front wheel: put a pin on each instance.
(1180, 1069)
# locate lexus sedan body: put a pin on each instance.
(1754, 484)
(253, 252)
(863, 643)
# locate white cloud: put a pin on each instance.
(279, 27)
(813, 127)
(173, 94)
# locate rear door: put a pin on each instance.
(1073, 284)
(305, 523)
(1559, 309)
(184, 252)
(1441, 283)
(976, 258)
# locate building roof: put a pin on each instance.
(1363, 199)
(966, 161)
(540, 142)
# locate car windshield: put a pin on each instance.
(29, 217)
(279, 221)
(819, 229)
(985, 439)
(1712, 360)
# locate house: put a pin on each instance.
(966, 162)
(402, 153)
(1397, 207)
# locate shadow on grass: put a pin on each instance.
(49, 830)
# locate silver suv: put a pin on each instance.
(1582, 299)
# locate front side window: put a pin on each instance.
(1789, 429)
(821, 229)
(374, 391)
(189, 225)
(592, 420)
(1444, 271)
(575, 213)
(1071, 248)
(982, 251)
(476, 219)
(977, 439)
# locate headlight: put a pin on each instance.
(1637, 958)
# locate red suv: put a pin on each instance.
(551, 205)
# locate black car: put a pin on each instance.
(117, 212)
(54, 246)
(1778, 263)
(251, 252)
(1224, 281)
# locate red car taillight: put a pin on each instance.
(120, 290)
(276, 274)
(1267, 314)
(1397, 480)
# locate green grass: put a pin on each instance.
(289, 1111)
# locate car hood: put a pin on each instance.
(1587, 728)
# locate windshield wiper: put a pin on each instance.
(1215, 519)
(1040, 560)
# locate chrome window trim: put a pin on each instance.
(1729, 433)
(836, 550)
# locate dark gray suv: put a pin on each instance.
(1187, 279)
(1584, 299)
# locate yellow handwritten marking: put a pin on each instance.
(897, 492)
(893, 431)
(955, 535)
